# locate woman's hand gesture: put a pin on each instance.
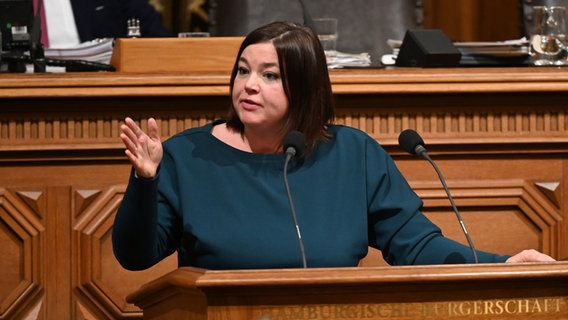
(143, 150)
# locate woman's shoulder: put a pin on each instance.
(354, 138)
(340, 132)
(192, 135)
(196, 131)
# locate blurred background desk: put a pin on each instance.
(363, 25)
(500, 136)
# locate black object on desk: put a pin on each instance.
(427, 48)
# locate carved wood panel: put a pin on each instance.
(21, 248)
(503, 217)
(63, 173)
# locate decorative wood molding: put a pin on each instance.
(83, 198)
(34, 199)
(552, 190)
(452, 127)
(101, 272)
(20, 266)
(457, 126)
(516, 201)
(499, 135)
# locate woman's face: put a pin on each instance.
(258, 94)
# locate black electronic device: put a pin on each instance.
(427, 48)
(16, 22)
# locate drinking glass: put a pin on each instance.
(326, 29)
(548, 37)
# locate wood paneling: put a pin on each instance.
(500, 136)
(475, 20)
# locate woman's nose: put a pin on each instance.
(252, 82)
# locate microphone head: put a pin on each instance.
(294, 143)
(410, 140)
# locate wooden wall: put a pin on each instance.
(500, 136)
(475, 20)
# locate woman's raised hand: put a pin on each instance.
(144, 150)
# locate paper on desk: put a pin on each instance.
(337, 60)
(98, 50)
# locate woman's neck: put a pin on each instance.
(250, 141)
(260, 142)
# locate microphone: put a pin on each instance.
(308, 21)
(294, 144)
(412, 143)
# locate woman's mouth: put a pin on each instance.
(249, 104)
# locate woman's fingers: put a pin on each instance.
(143, 150)
(153, 131)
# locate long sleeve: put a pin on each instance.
(135, 235)
(222, 208)
(401, 231)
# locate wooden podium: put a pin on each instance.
(484, 291)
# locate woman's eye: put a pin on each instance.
(272, 76)
(242, 70)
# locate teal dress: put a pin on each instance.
(222, 208)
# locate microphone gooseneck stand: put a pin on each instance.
(294, 144)
(412, 143)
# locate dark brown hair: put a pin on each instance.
(305, 79)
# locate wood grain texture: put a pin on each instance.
(500, 136)
(482, 291)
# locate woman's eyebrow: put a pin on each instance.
(270, 64)
(264, 64)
